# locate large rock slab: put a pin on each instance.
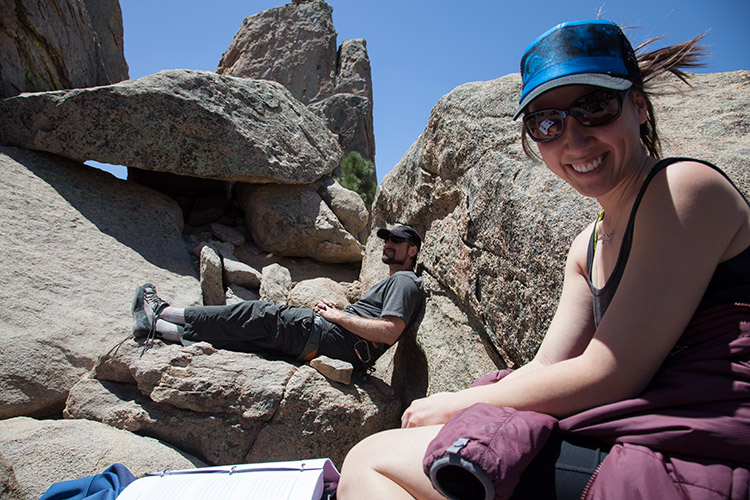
(353, 72)
(43, 452)
(349, 111)
(294, 45)
(194, 123)
(60, 45)
(106, 19)
(294, 221)
(349, 116)
(497, 225)
(76, 242)
(230, 407)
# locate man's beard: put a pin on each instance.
(391, 259)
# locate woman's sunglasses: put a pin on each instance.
(592, 110)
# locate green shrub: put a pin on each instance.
(357, 175)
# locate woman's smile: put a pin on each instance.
(583, 168)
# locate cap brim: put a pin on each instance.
(414, 239)
(383, 233)
(594, 79)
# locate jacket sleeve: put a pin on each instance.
(481, 452)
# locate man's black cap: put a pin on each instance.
(403, 232)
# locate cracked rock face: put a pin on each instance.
(77, 242)
(229, 407)
(79, 43)
(298, 49)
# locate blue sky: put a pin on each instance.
(420, 50)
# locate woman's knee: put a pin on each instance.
(366, 454)
(364, 474)
(389, 462)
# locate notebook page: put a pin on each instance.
(255, 485)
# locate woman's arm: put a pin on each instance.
(572, 326)
(689, 220)
(569, 333)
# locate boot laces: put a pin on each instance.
(155, 303)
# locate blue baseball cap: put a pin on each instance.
(579, 53)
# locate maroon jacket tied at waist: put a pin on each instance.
(688, 434)
(698, 403)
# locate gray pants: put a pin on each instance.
(261, 327)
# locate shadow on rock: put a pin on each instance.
(139, 218)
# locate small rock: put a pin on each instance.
(275, 284)
(228, 234)
(239, 273)
(212, 284)
(307, 293)
(333, 369)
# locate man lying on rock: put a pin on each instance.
(359, 333)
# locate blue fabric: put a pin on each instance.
(585, 52)
(580, 47)
(104, 486)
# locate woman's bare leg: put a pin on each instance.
(389, 465)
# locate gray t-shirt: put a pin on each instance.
(399, 295)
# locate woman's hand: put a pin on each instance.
(434, 409)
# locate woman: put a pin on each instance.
(671, 246)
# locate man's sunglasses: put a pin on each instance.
(592, 110)
(395, 239)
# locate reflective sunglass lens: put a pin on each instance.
(594, 109)
(597, 108)
(544, 125)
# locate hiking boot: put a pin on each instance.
(146, 308)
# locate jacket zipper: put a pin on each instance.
(590, 482)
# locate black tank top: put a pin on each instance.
(731, 279)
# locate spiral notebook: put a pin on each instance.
(296, 480)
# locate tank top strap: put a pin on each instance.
(603, 296)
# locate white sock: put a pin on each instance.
(174, 315)
(169, 331)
